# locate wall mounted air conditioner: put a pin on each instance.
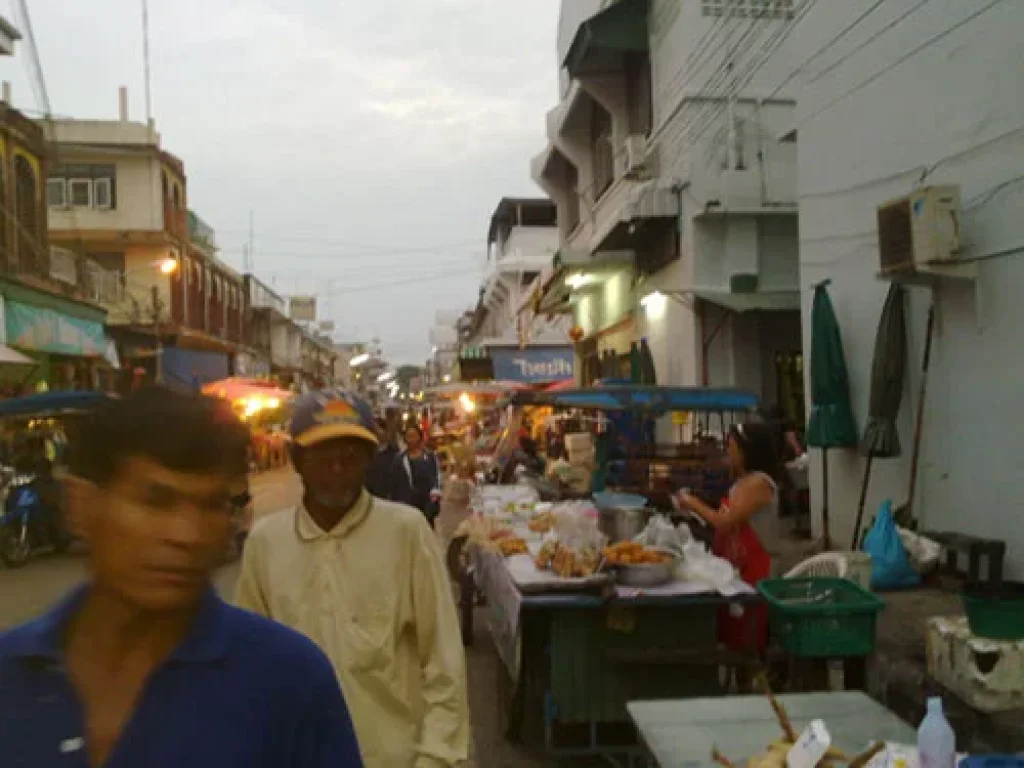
(920, 234)
(636, 155)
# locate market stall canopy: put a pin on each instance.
(831, 423)
(485, 388)
(237, 388)
(51, 403)
(649, 399)
(10, 356)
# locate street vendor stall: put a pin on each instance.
(263, 406)
(576, 643)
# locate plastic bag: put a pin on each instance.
(890, 566)
(701, 567)
(660, 533)
(924, 553)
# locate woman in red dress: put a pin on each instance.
(740, 524)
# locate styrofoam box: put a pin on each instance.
(577, 442)
(987, 674)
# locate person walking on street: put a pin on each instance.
(378, 483)
(144, 665)
(416, 475)
(364, 578)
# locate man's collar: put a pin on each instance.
(207, 640)
(308, 530)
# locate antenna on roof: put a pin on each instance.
(145, 61)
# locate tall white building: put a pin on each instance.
(676, 198)
(918, 95)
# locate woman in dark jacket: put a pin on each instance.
(416, 475)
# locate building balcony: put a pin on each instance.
(83, 278)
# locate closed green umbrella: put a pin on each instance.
(888, 368)
(831, 424)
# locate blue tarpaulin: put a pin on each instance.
(189, 369)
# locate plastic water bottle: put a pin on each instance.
(936, 742)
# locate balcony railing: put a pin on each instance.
(84, 277)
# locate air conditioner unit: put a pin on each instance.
(920, 233)
(636, 154)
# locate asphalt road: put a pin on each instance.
(26, 592)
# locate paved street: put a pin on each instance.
(27, 591)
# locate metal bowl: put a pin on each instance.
(623, 523)
(643, 575)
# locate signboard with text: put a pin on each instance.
(533, 366)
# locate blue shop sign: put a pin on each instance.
(533, 366)
(47, 330)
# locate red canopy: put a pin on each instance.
(558, 386)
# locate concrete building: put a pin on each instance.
(497, 340)
(117, 198)
(916, 96)
(676, 199)
(50, 298)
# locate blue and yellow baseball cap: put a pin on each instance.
(329, 414)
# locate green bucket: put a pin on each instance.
(995, 611)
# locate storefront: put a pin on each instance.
(189, 369)
(251, 366)
(65, 339)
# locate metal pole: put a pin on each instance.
(159, 368)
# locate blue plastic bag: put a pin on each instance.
(890, 566)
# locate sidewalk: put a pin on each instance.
(898, 676)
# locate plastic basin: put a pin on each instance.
(995, 611)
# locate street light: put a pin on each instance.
(167, 266)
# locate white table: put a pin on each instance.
(681, 733)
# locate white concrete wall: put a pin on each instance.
(528, 248)
(868, 130)
(139, 196)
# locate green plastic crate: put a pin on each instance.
(821, 617)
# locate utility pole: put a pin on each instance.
(145, 61)
(249, 264)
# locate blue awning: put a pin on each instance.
(647, 399)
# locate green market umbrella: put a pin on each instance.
(888, 368)
(831, 424)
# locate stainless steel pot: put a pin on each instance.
(623, 523)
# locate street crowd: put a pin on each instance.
(342, 647)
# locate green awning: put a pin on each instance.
(603, 39)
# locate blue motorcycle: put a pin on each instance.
(28, 524)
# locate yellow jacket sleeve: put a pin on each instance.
(249, 589)
(444, 733)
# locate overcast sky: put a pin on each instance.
(371, 140)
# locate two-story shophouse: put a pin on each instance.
(51, 313)
(116, 197)
(676, 198)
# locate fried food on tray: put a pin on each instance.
(542, 523)
(568, 563)
(513, 545)
(546, 555)
(634, 553)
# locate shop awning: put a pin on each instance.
(643, 204)
(757, 300)
(602, 41)
(10, 356)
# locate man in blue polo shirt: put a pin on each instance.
(144, 665)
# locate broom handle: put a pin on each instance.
(918, 424)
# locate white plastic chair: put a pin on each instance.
(855, 566)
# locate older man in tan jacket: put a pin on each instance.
(365, 579)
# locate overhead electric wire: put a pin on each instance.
(753, 65)
(904, 58)
(888, 27)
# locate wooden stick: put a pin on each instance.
(780, 712)
(865, 757)
(721, 759)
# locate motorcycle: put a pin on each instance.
(28, 524)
